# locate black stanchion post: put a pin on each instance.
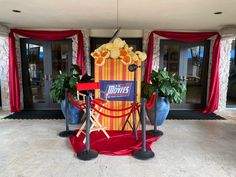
(133, 68)
(135, 101)
(155, 132)
(87, 154)
(67, 132)
(143, 153)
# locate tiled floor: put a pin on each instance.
(228, 113)
(187, 149)
(4, 114)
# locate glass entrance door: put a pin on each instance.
(41, 62)
(231, 93)
(190, 62)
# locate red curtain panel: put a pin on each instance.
(213, 101)
(14, 88)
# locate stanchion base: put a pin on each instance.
(143, 155)
(155, 132)
(87, 155)
(66, 133)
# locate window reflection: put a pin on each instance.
(194, 70)
(35, 56)
(60, 54)
(171, 58)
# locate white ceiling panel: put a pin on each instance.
(132, 14)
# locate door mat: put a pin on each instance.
(192, 115)
(39, 114)
(57, 114)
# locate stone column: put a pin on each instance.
(228, 34)
(18, 55)
(145, 46)
(156, 53)
(86, 50)
(74, 49)
(146, 34)
(4, 68)
(212, 41)
(156, 50)
(225, 51)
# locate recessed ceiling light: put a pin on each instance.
(218, 13)
(16, 11)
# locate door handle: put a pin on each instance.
(45, 77)
(185, 78)
(50, 78)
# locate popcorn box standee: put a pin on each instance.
(118, 81)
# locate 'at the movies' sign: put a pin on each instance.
(117, 90)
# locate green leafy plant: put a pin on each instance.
(169, 86)
(67, 81)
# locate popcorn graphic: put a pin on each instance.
(119, 49)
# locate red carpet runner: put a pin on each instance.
(119, 143)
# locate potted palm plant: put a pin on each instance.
(67, 81)
(170, 90)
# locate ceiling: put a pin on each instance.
(132, 14)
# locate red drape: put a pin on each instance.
(212, 104)
(38, 35)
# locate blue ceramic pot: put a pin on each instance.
(74, 114)
(163, 108)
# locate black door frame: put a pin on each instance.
(204, 73)
(47, 48)
(231, 106)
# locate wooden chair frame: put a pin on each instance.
(94, 116)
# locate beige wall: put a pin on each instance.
(109, 33)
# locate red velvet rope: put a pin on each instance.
(75, 103)
(133, 108)
(114, 117)
(151, 101)
(115, 110)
